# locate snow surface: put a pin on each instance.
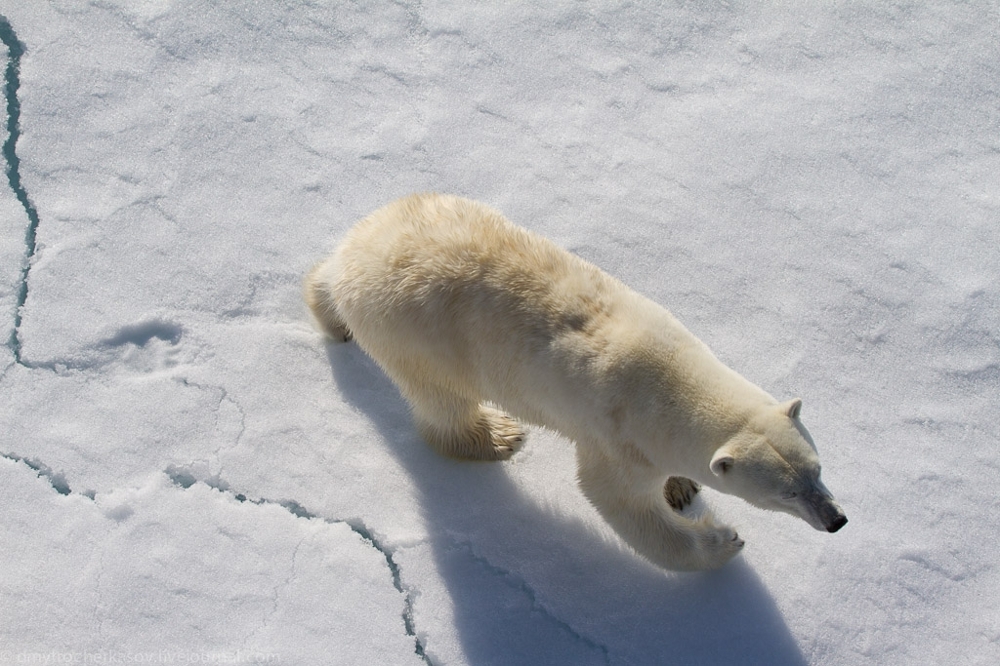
(190, 473)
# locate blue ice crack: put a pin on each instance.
(56, 479)
(12, 81)
(185, 478)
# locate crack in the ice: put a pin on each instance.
(224, 397)
(185, 478)
(15, 49)
(275, 598)
(56, 479)
(518, 583)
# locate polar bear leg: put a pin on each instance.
(632, 500)
(460, 427)
(680, 491)
(320, 300)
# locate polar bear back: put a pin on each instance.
(446, 257)
(446, 289)
(477, 302)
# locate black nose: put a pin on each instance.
(837, 523)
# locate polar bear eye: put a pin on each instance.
(788, 496)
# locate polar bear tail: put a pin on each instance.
(319, 298)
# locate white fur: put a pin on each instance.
(460, 308)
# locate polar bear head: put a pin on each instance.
(772, 463)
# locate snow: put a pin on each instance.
(190, 473)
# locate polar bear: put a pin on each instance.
(478, 321)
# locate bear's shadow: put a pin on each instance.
(588, 600)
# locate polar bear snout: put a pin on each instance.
(836, 523)
(822, 512)
(832, 516)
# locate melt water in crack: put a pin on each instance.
(12, 81)
(184, 478)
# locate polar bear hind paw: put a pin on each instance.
(504, 434)
(493, 436)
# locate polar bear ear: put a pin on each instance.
(792, 408)
(722, 462)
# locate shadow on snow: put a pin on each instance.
(587, 601)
